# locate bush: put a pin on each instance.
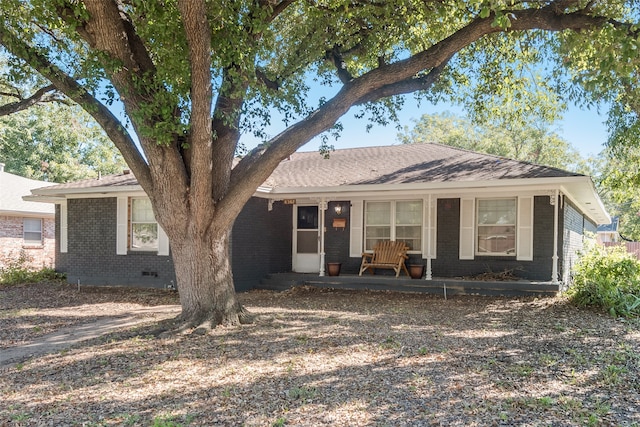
(18, 271)
(607, 277)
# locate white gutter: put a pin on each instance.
(60, 192)
(447, 185)
(43, 199)
(33, 214)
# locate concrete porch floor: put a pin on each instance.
(452, 286)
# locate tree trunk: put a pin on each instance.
(205, 280)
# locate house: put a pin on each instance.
(461, 213)
(26, 228)
(608, 233)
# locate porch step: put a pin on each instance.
(284, 281)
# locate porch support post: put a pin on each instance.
(554, 269)
(323, 209)
(427, 275)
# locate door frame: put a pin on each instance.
(309, 263)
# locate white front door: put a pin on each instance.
(306, 240)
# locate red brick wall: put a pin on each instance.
(12, 243)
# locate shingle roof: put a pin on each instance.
(402, 164)
(423, 164)
(13, 187)
(609, 227)
(392, 164)
(118, 180)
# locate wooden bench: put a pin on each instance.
(386, 254)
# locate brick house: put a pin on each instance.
(461, 213)
(26, 228)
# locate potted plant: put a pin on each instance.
(416, 271)
(333, 268)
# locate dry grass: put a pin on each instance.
(325, 357)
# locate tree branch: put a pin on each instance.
(406, 86)
(198, 34)
(277, 9)
(72, 89)
(226, 128)
(45, 94)
(341, 67)
(269, 83)
(132, 65)
(388, 80)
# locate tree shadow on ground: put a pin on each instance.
(350, 358)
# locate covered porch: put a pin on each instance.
(438, 286)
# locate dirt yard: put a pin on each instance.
(322, 357)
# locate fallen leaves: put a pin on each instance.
(326, 357)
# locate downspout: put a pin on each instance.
(323, 208)
(429, 248)
(554, 271)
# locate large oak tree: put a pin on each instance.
(192, 75)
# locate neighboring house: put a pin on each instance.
(461, 213)
(27, 229)
(608, 233)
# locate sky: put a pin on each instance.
(584, 129)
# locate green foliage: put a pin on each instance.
(609, 278)
(169, 420)
(19, 270)
(619, 185)
(304, 393)
(304, 41)
(531, 142)
(56, 143)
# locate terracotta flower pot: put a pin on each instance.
(333, 268)
(416, 271)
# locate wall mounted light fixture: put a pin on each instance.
(338, 209)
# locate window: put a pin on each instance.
(32, 231)
(144, 228)
(377, 223)
(400, 221)
(496, 227)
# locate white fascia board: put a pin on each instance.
(129, 193)
(473, 187)
(28, 214)
(43, 199)
(100, 191)
(59, 197)
(588, 201)
(543, 183)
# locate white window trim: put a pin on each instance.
(122, 236)
(393, 224)
(466, 245)
(477, 226)
(25, 242)
(524, 228)
(122, 222)
(64, 228)
(130, 225)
